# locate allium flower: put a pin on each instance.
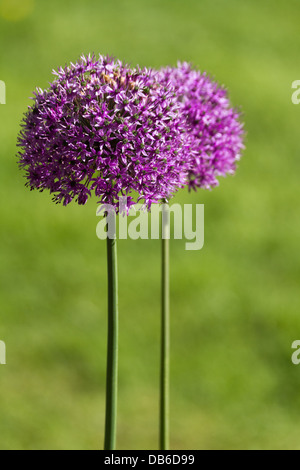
(213, 124)
(103, 128)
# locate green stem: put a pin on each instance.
(165, 334)
(112, 347)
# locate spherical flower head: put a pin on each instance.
(215, 127)
(106, 129)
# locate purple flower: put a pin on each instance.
(103, 128)
(217, 133)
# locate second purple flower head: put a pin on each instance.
(213, 125)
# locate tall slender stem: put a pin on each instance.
(165, 333)
(112, 347)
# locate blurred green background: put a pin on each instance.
(235, 304)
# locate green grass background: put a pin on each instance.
(235, 304)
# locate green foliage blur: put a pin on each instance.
(235, 304)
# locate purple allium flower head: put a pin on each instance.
(214, 125)
(101, 127)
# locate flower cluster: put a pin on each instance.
(214, 125)
(104, 128)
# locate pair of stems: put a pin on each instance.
(112, 341)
